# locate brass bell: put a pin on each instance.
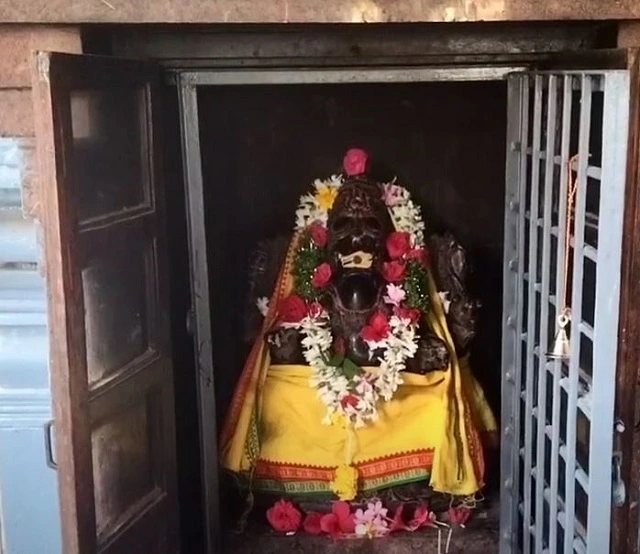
(561, 349)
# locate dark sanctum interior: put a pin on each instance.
(262, 147)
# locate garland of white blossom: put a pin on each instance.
(400, 344)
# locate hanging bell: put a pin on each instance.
(561, 348)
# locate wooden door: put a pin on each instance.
(107, 274)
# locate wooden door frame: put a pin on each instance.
(626, 518)
(209, 73)
(187, 81)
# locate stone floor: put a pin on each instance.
(480, 536)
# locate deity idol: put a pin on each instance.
(359, 379)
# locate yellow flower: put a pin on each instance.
(326, 196)
(345, 482)
(340, 420)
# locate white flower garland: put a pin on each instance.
(357, 399)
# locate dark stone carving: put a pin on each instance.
(359, 222)
(451, 270)
(432, 354)
(284, 346)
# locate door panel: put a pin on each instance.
(566, 129)
(107, 270)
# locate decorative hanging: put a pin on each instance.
(561, 347)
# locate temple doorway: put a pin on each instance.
(524, 162)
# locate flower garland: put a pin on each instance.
(350, 394)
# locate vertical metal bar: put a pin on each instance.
(531, 311)
(517, 327)
(510, 336)
(614, 150)
(544, 311)
(576, 310)
(194, 191)
(557, 366)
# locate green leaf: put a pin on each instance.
(350, 369)
(336, 360)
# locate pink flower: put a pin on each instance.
(396, 523)
(330, 525)
(394, 271)
(312, 524)
(349, 401)
(395, 294)
(372, 522)
(398, 244)
(339, 522)
(321, 276)
(375, 509)
(377, 527)
(284, 517)
(459, 515)
(392, 194)
(422, 517)
(319, 234)
(378, 328)
(355, 162)
(315, 310)
(421, 255)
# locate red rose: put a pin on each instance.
(319, 234)
(284, 517)
(321, 276)
(398, 244)
(459, 515)
(315, 309)
(393, 271)
(420, 255)
(411, 314)
(349, 401)
(312, 524)
(355, 162)
(378, 328)
(292, 309)
(338, 346)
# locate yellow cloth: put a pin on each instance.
(275, 420)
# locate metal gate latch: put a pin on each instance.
(618, 489)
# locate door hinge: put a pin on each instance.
(618, 489)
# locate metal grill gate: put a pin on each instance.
(558, 418)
